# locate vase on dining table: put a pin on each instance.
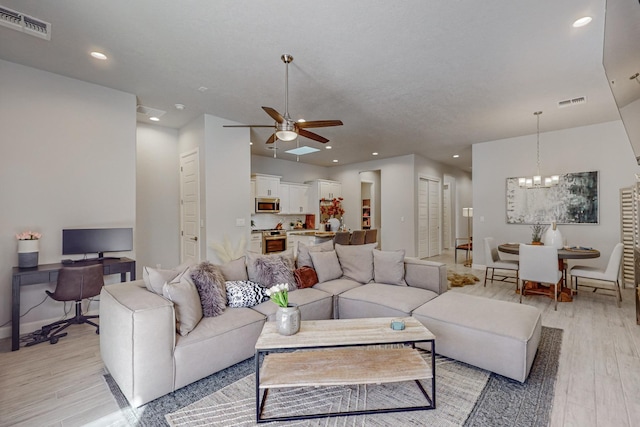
(553, 237)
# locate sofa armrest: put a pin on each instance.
(426, 274)
(137, 339)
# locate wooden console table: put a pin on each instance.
(336, 343)
(48, 273)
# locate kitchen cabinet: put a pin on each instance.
(255, 242)
(267, 185)
(319, 189)
(294, 198)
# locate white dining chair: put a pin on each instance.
(609, 274)
(539, 263)
(493, 261)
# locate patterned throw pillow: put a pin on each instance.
(245, 293)
(211, 287)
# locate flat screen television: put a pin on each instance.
(96, 241)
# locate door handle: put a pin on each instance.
(194, 238)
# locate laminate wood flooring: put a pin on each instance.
(598, 378)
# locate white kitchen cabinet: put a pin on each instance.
(294, 198)
(330, 189)
(267, 185)
(255, 242)
(284, 191)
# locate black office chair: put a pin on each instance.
(74, 284)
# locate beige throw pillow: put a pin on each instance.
(304, 259)
(184, 295)
(388, 267)
(155, 278)
(235, 270)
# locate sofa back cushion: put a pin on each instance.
(304, 257)
(356, 261)
(388, 267)
(235, 270)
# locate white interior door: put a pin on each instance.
(428, 218)
(434, 218)
(189, 206)
(446, 216)
(423, 218)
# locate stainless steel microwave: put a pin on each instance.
(267, 205)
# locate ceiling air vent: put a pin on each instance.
(571, 102)
(25, 23)
(148, 111)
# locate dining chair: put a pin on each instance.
(539, 263)
(466, 247)
(609, 274)
(493, 261)
(341, 237)
(357, 237)
(371, 236)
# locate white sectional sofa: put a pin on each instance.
(148, 358)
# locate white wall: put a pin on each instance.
(290, 171)
(67, 159)
(602, 147)
(157, 197)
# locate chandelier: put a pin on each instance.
(538, 181)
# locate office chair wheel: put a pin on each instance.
(97, 331)
(53, 340)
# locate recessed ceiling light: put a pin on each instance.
(203, 89)
(455, 156)
(328, 147)
(335, 160)
(154, 119)
(250, 143)
(99, 55)
(375, 153)
(582, 21)
(179, 107)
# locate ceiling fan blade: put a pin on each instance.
(274, 114)
(319, 124)
(247, 126)
(271, 139)
(312, 135)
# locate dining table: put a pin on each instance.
(564, 253)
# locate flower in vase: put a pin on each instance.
(333, 208)
(28, 235)
(279, 294)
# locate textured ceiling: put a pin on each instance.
(427, 77)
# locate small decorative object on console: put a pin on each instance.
(28, 247)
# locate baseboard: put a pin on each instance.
(26, 328)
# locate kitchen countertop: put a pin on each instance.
(304, 232)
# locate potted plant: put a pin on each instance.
(287, 315)
(537, 230)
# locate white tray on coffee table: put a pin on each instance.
(334, 355)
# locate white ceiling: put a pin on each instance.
(429, 77)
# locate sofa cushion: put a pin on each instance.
(304, 257)
(211, 288)
(235, 270)
(381, 300)
(356, 261)
(184, 295)
(245, 293)
(326, 265)
(155, 278)
(388, 267)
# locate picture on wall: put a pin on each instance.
(574, 200)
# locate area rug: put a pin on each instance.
(457, 280)
(500, 401)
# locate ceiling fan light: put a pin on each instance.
(286, 135)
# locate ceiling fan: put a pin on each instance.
(287, 129)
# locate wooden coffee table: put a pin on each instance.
(339, 344)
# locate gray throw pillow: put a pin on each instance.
(210, 284)
(326, 265)
(235, 270)
(388, 267)
(245, 293)
(356, 261)
(186, 301)
(262, 268)
(155, 278)
(304, 259)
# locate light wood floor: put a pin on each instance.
(598, 379)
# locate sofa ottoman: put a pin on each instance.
(499, 336)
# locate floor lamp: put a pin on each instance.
(468, 213)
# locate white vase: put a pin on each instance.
(334, 223)
(28, 253)
(553, 237)
(288, 320)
